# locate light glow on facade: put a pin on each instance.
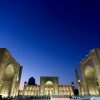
(48, 86)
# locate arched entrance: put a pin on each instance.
(90, 79)
(49, 89)
(48, 85)
(9, 72)
(7, 80)
(89, 72)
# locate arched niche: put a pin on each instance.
(9, 72)
(89, 72)
(50, 83)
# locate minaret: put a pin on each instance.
(78, 81)
(77, 75)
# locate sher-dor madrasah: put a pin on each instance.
(10, 76)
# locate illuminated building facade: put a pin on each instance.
(48, 86)
(90, 70)
(10, 74)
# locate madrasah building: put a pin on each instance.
(89, 82)
(48, 86)
(10, 76)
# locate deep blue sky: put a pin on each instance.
(49, 37)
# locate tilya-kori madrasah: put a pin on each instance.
(48, 86)
(10, 76)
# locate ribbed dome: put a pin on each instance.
(31, 81)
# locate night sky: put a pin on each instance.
(49, 37)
